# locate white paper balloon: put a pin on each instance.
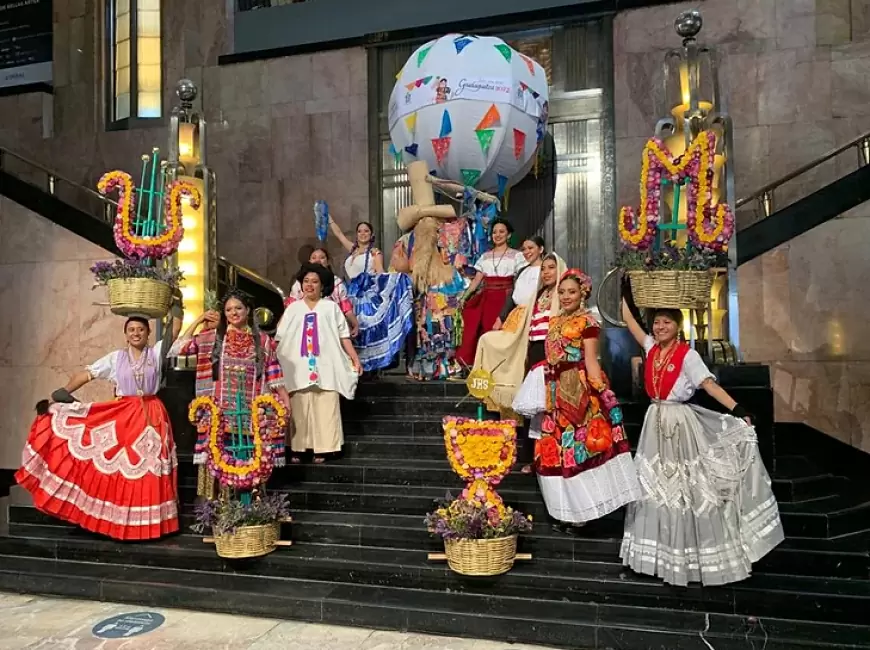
(473, 108)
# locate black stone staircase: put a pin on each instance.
(359, 556)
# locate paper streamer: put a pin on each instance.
(484, 137)
(440, 146)
(502, 185)
(321, 219)
(421, 56)
(461, 43)
(491, 119)
(529, 63)
(519, 143)
(506, 51)
(470, 176)
(446, 125)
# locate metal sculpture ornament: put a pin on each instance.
(473, 108)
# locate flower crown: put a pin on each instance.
(581, 278)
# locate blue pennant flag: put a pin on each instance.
(461, 43)
(392, 149)
(446, 125)
(502, 185)
(412, 149)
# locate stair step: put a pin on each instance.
(564, 622)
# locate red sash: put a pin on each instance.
(669, 374)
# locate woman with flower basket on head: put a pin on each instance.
(708, 511)
(236, 365)
(320, 364)
(109, 467)
(582, 460)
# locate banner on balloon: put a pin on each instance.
(439, 91)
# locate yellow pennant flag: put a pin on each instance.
(411, 122)
(399, 74)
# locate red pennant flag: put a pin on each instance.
(491, 119)
(519, 143)
(529, 64)
(440, 146)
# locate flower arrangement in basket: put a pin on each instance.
(243, 530)
(664, 273)
(147, 231)
(242, 464)
(479, 531)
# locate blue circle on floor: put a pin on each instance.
(125, 626)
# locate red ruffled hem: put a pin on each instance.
(109, 468)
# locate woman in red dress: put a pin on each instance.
(496, 270)
(108, 467)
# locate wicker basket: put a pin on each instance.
(671, 289)
(481, 557)
(248, 541)
(128, 296)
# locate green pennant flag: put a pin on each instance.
(506, 51)
(484, 137)
(422, 54)
(470, 176)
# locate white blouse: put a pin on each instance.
(106, 367)
(526, 285)
(356, 265)
(693, 373)
(501, 265)
(329, 368)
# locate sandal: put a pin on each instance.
(526, 469)
(295, 460)
(319, 460)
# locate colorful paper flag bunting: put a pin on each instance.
(412, 149)
(519, 143)
(392, 149)
(422, 54)
(529, 63)
(440, 146)
(411, 122)
(502, 184)
(461, 43)
(395, 153)
(506, 51)
(470, 176)
(411, 86)
(484, 137)
(491, 119)
(446, 124)
(399, 74)
(427, 80)
(507, 199)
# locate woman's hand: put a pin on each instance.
(210, 319)
(497, 325)
(357, 366)
(354, 329)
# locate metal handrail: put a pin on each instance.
(862, 141)
(253, 276)
(56, 176)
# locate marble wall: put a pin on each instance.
(50, 325)
(795, 76)
(283, 132)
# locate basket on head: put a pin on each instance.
(481, 557)
(144, 296)
(671, 289)
(248, 541)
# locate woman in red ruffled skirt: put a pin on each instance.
(108, 467)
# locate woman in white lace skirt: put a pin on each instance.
(708, 511)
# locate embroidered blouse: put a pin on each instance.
(693, 373)
(130, 376)
(501, 265)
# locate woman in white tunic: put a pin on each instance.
(319, 364)
(708, 511)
